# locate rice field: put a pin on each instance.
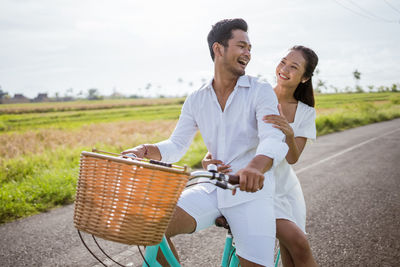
(40, 144)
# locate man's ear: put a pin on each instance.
(217, 48)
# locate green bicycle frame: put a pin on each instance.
(151, 255)
(229, 255)
(229, 258)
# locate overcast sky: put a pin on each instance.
(49, 46)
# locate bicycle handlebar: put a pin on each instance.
(224, 181)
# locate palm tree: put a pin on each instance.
(357, 77)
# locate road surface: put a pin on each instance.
(351, 182)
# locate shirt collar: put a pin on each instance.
(243, 81)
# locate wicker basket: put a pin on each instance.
(125, 200)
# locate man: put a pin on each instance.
(228, 112)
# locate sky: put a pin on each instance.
(160, 48)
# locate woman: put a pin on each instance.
(297, 121)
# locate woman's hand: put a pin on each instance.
(280, 122)
(207, 160)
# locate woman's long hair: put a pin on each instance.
(305, 91)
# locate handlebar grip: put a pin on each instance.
(234, 179)
(160, 163)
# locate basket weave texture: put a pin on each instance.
(124, 200)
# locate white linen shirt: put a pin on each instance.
(235, 135)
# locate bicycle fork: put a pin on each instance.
(229, 258)
(151, 255)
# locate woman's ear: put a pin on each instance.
(304, 80)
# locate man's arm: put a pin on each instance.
(271, 149)
(252, 176)
(272, 140)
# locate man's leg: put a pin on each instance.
(196, 210)
(246, 263)
(253, 228)
(181, 223)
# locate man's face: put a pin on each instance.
(237, 55)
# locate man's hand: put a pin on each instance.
(139, 151)
(251, 179)
(148, 151)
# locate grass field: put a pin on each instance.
(40, 144)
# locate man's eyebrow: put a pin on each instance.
(245, 43)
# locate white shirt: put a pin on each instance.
(235, 135)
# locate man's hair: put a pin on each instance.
(221, 32)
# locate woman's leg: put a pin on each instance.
(295, 242)
(287, 260)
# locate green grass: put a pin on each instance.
(38, 183)
(77, 105)
(35, 183)
(358, 114)
(76, 119)
(337, 100)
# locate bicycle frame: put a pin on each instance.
(229, 258)
(151, 255)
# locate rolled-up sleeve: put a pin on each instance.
(272, 141)
(174, 148)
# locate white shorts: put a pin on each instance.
(252, 223)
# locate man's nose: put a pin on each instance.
(247, 52)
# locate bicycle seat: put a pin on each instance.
(222, 222)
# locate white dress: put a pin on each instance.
(289, 199)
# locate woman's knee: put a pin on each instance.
(300, 246)
(294, 239)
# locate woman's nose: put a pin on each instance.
(284, 69)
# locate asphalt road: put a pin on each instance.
(351, 182)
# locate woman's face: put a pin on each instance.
(290, 70)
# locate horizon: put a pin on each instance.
(127, 47)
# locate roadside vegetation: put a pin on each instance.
(40, 144)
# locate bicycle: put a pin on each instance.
(104, 208)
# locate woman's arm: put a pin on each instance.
(208, 159)
(295, 144)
